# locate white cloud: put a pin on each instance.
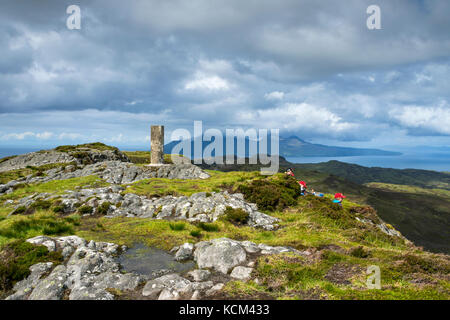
(25, 135)
(434, 119)
(44, 135)
(207, 82)
(300, 116)
(69, 136)
(420, 77)
(275, 95)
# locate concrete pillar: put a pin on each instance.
(157, 144)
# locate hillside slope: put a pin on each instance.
(424, 218)
(277, 244)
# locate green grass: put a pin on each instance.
(289, 277)
(217, 181)
(310, 223)
(42, 222)
(55, 186)
(94, 145)
(209, 227)
(179, 226)
(409, 189)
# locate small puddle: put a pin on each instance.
(149, 261)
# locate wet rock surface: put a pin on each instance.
(91, 271)
(219, 261)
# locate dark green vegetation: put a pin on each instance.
(94, 146)
(423, 217)
(271, 194)
(236, 216)
(20, 227)
(17, 257)
(179, 226)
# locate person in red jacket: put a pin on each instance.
(302, 187)
(338, 197)
(290, 172)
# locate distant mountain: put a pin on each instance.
(296, 147)
(290, 147)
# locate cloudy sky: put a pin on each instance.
(310, 68)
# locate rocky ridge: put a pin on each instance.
(199, 207)
(78, 156)
(115, 172)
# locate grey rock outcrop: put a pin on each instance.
(241, 273)
(184, 252)
(79, 156)
(199, 207)
(115, 172)
(220, 254)
(90, 270)
(199, 275)
(35, 159)
(382, 226)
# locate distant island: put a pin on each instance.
(295, 147)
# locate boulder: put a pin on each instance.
(24, 287)
(241, 273)
(199, 275)
(52, 287)
(170, 284)
(221, 254)
(184, 252)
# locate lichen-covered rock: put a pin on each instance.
(35, 159)
(51, 287)
(241, 273)
(221, 254)
(184, 252)
(25, 287)
(166, 287)
(113, 171)
(199, 275)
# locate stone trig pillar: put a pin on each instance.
(157, 144)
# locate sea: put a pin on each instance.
(431, 160)
(436, 161)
